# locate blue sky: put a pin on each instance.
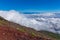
(30, 5)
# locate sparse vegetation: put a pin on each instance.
(24, 33)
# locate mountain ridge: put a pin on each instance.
(24, 32)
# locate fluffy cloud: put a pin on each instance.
(44, 21)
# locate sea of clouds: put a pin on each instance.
(42, 21)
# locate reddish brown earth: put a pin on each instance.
(13, 31)
(7, 33)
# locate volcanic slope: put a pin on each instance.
(13, 31)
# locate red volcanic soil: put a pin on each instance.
(8, 33)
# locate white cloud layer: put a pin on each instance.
(45, 21)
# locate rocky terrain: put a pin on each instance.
(13, 31)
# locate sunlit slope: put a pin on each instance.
(26, 33)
